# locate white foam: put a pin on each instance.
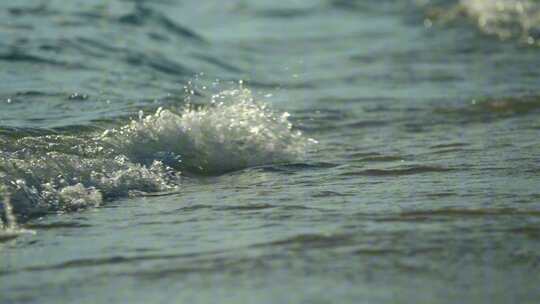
(62, 182)
(505, 18)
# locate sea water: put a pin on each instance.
(326, 151)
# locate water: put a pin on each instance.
(251, 151)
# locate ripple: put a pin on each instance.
(382, 158)
(454, 212)
(141, 15)
(306, 241)
(489, 109)
(20, 56)
(449, 145)
(56, 225)
(398, 171)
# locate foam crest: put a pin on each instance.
(231, 133)
(506, 18)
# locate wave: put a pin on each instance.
(59, 173)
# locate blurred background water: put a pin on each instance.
(333, 151)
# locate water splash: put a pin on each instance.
(10, 229)
(232, 133)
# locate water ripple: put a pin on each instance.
(399, 171)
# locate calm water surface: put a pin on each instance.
(326, 151)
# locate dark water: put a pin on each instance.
(269, 152)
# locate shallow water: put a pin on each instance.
(373, 152)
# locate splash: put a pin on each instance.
(232, 133)
(10, 229)
(60, 173)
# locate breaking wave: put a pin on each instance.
(58, 173)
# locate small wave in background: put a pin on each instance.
(505, 19)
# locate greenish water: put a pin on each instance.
(373, 152)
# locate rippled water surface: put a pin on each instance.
(326, 151)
